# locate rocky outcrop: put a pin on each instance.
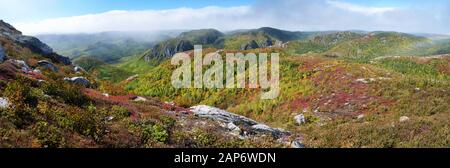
(2, 54)
(242, 126)
(61, 59)
(250, 45)
(7, 29)
(184, 42)
(37, 46)
(47, 65)
(221, 115)
(267, 43)
(254, 45)
(34, 44)
(9, 32)
(79, 81)
(168, 49)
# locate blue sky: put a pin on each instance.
(64, 8)
(74, 16)
(44, 9)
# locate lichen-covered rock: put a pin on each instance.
(264, 129)
(79, 81)
(47, 65)
(236, 123)
(221, 115)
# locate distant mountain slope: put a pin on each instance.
(243, 39)
(184, 42)
(107, 46)
(110, 52)
(331, 43)
(319, 42)
(367, 98)
(368, 44)
(202, 36)
(262, 37)
(376, 44)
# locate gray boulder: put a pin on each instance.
(79, 81)
(404, 119)
(140, 99)
(48, 65)
(2, 54)
(300, 119)
(297, 144)
(4, 103)
(238, 125)
(213, 113)
(22, 65)
(264, 129)
(223, 116)
(360, 117)
(60, 59)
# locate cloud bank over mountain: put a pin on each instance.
(285, 14)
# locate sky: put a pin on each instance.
(91, 16)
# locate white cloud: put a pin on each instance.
(360, 9)
(285, 14)
(147, 20)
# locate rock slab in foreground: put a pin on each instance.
(233, 122)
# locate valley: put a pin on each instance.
(350, 89)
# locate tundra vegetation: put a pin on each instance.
(352, 89)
